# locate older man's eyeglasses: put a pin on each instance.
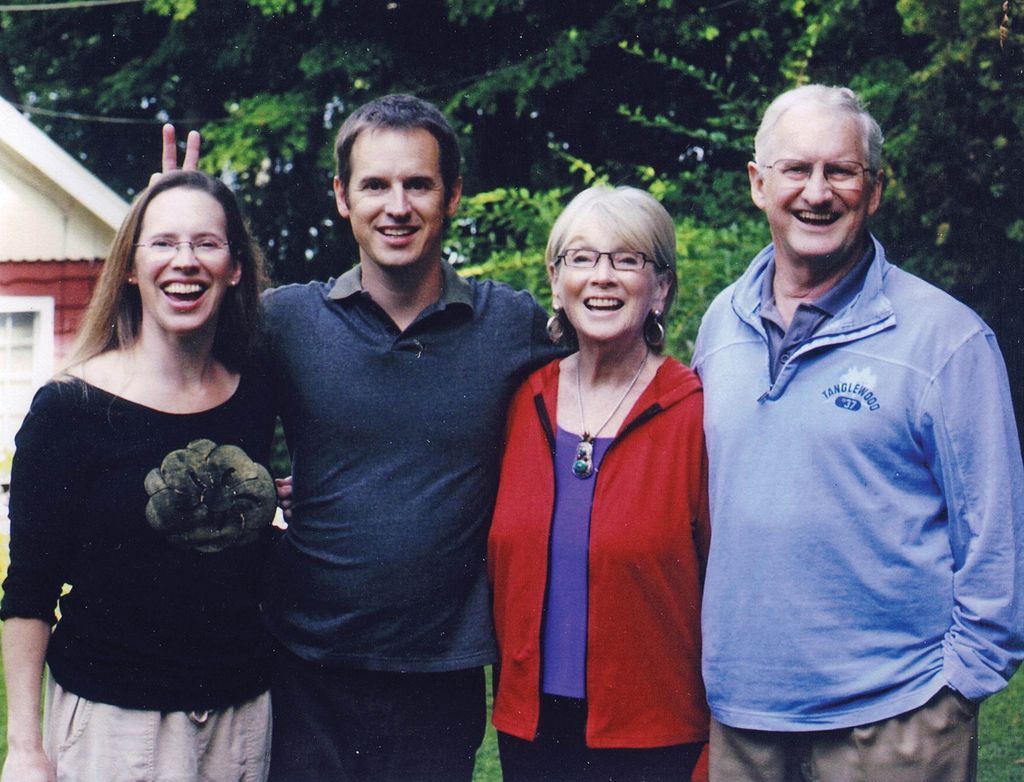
(840, 174)
(208, 249)
(623, 261)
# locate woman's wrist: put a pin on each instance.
(29, 741)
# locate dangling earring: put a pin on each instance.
(554, 327)
(654, 331)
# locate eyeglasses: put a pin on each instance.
(624, 261)
(840, 174)
(203, 249)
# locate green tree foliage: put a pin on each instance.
(950, 101)
(548, 97)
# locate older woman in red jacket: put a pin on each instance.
(600, 529)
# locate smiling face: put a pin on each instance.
(606, 307)
(395, 200)
(181, 294)
(813, 224)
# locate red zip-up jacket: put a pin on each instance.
(649, 535)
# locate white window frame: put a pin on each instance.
(43, 342)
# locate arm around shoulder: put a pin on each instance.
(541, 346)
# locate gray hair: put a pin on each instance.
(636, 218)
(837, 98)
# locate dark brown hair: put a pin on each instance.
(399, 112)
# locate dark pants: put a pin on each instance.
(560, 754)
(344, 725)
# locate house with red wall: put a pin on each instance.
(57, 221)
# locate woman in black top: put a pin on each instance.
(137, 481)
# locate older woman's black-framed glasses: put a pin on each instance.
(622, 261)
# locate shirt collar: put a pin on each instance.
(834, 299)
(456, 290)
(348, 284)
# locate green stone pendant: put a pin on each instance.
(583, 467)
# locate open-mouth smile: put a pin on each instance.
(816, 218)
(601, 304)
(184, 291)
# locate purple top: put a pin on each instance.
(564, 646)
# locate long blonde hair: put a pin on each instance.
(114, 314)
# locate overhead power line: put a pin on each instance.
(64, 6)
(112, 120)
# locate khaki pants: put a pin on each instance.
(937, 742)
(94, 742)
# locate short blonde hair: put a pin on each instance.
(637, 219)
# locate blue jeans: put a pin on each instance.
(341, 724)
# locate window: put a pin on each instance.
(26, 362)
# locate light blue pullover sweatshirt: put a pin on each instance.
(867, 509)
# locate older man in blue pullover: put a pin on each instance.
(865, 589)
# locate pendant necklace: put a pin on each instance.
(583, 464)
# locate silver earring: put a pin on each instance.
(554, 327)
(654, 324)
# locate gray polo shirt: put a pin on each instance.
(396, 440)
(809, 316)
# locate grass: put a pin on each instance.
(488, 768)
(1000, 756)
(1001, 752)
